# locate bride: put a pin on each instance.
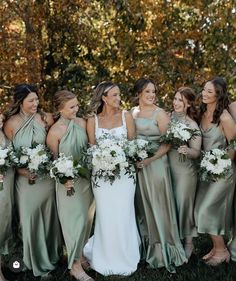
(114, 247)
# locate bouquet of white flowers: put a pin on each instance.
(107, 159)
(5, 162)
(137, 150)
(66, 168)
(36, 159)
(215, 165)
(178, 134)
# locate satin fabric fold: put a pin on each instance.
(75, 212)
(41, 233)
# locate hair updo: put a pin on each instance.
(60, 99)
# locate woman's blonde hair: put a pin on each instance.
(102, 89)
(60, 98)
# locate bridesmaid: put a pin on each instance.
(232, 244)
(214, 199)
(184, 173)
(68, 136)
(27, 124)
(154, 199)
(6, 203)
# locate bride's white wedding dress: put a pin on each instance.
(114, 247)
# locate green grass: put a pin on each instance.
(195, 270)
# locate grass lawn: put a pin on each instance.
(195, 270)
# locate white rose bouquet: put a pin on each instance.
(5, 162)
(66, 168)
(138, 150)
(107, 159)
(179, 134)
(36, 159)
(215, 165)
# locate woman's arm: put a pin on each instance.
(91, 130)
(229, 129)
(130, 126)
(8, 129)
(53, 140)
(228, 125)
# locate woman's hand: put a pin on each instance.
(183, 149)
(26, 173)
(69, 184)
(1, 177)
(144, 163)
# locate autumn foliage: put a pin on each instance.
(75, 44)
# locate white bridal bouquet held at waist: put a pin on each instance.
(107, 159)
(179, 134)
(138, 149)
(5, 162)
(36, 159)
(65, 168)
(215, 165)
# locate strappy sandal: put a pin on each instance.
(209, 255)
(219, 257)
(82, 276)
(86, 265)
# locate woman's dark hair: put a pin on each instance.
(101, 89)
(222, 103)
(60, 98)
(20, 92)
(190, 96)
(140, 85)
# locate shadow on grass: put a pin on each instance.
(195, 270)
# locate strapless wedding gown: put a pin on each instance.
(114, 247)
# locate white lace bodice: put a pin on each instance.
(118, 132)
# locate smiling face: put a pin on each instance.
(180, 103)
(112, 98)
(209, 94)
(30, 103)
(70, 108)
(148, 95)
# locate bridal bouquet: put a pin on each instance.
(107, 159)
(215, 165)
(137, 150)
(178, 134)
(36, 159)
(5, 162)
(66, 168)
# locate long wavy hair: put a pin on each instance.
(140, 85)
(96, 105)
(190, 96)
(222, 103)
(60, 98)
(20, 92)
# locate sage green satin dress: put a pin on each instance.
(76, 211)
(6, 204)
(41, 233)
(213, 208)
(232, 244)
(155, 206)
(184, 181)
